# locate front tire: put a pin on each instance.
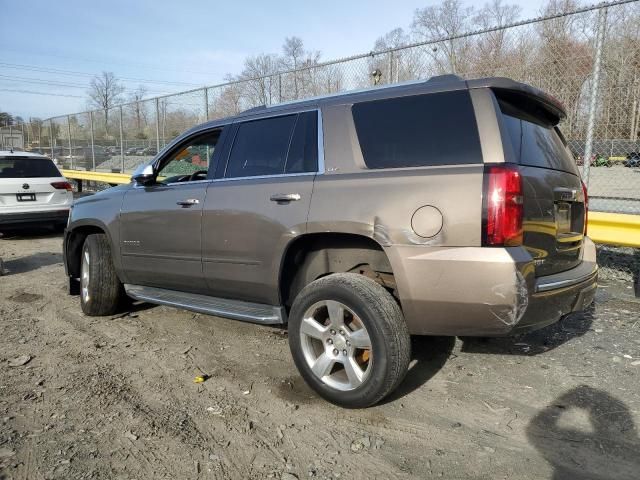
(349, 340)
(101, 292)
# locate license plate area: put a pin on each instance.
(26, 197)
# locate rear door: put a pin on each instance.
(26, 184)
(554, 202)
(259, 205)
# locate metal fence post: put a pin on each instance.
(69, 137)
(93, 151)
(595, 80)
(51, 137)
(121, 143)
(206, 105)
(157, 124)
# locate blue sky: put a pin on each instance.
(185, 44)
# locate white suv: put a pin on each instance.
(32, 191)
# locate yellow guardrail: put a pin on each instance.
(614, 229)
(608, 228)
(111, 178)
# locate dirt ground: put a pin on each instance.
(115, 398)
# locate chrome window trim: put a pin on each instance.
(320, 147)
(321, 159)
(321, 165)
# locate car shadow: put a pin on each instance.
(31, 233)
(31, 262)
(533, 343)
(587, 434)
(428, 356)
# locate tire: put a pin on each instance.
(101, 292)
(317, 337)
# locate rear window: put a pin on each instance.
(418, 131)
(537, 144)
(25, 167)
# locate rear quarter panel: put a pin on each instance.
(380, 203)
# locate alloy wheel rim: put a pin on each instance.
(336, 345)
(84, 276)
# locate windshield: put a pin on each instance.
(26, 167)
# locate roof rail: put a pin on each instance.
(254, 109)
(449, 77)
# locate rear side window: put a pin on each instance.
(25, 167)
(536, 144)
(260, 147)
(418, 131)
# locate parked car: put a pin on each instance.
(131, 151)
(81, 158)
(32, 191)
(150, 151)
(633, 160)
(445, 207)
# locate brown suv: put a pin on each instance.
(442, 207)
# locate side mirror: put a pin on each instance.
(143, 175)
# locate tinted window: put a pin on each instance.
(416, 131)
(303, 152)
(16, 167)
(538, 145)
(260, 147)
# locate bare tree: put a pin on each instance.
(295, 56)
(448, 19)
(137, 107)
(105, 91)
(258, 71)
(494, 48)
(398, 65)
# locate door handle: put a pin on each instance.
(189, 202)
(285, 197)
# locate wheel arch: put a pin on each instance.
(74, 240)
(314, 255)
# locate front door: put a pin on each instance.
(160, 238)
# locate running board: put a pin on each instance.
(222, 307)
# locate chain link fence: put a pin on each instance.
(588, 58)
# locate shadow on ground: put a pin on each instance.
(587, 434)
(31, 262)
(428, 356)
(31, 233)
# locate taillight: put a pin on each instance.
(586, 207)
(62, 186)
(503, 206)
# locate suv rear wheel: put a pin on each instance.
(349, 339)
(100, 289)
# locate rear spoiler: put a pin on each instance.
(514, 92)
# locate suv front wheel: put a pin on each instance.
(101, 292)
(349, 339)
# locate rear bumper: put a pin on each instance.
(25, 218)
(475, 291)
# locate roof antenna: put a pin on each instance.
(11, 149)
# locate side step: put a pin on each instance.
(222, 307)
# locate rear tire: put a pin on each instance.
(349, 340)
(101, 291)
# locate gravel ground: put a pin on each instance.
(115, 397)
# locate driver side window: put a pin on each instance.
(191, 161)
